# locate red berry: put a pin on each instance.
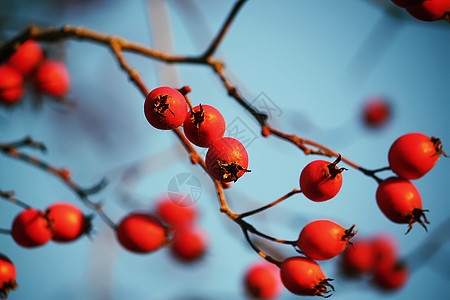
(52, 78)
(27, 57)
(412, 155)
(31, 228)
(7, 276)
(303, 276)
(262, 281)
(204, 125)
(400, 202)
(321, 180)
(175, 212)
(11, 85)
(429, 10)
(227, 160)
(141, 233)
(386, 248)
(189, 244)
(68, 222)
(376, 112)
(165, 108)
(324, 239)
(359, 258)
(391, 278)
(407, 3)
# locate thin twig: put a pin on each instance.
(259, 251)
(64, 175)
(9, 196)
(132, 73)
(253, 230)
(258, 210)
(219, 37)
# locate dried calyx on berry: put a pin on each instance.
(198, 117)
(161, 105)
(333, 170)
(229, 171)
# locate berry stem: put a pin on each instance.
(5, 231)
(252, 229)
(226, 25)
(259, 251)
(258, 210)
(188, 101)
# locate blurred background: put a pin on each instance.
(311, 65)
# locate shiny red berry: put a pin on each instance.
(68, 222)
(204, 125)
(31, 228)
(165, 108)
(400, 202)
(324, 239)
(321, 180)
(227, 159)
(303, 276)
(412, 155)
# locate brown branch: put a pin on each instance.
(218, 68)
(64, 175)
(132, 73)
(53, 34)
(219, 37)
(118, 45)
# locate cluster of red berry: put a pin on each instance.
(48, 76)
(425, 10)
(172, 225)
(378, 258)
(320, 181)
(61, 222)
(411, 156)
(166, 108)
